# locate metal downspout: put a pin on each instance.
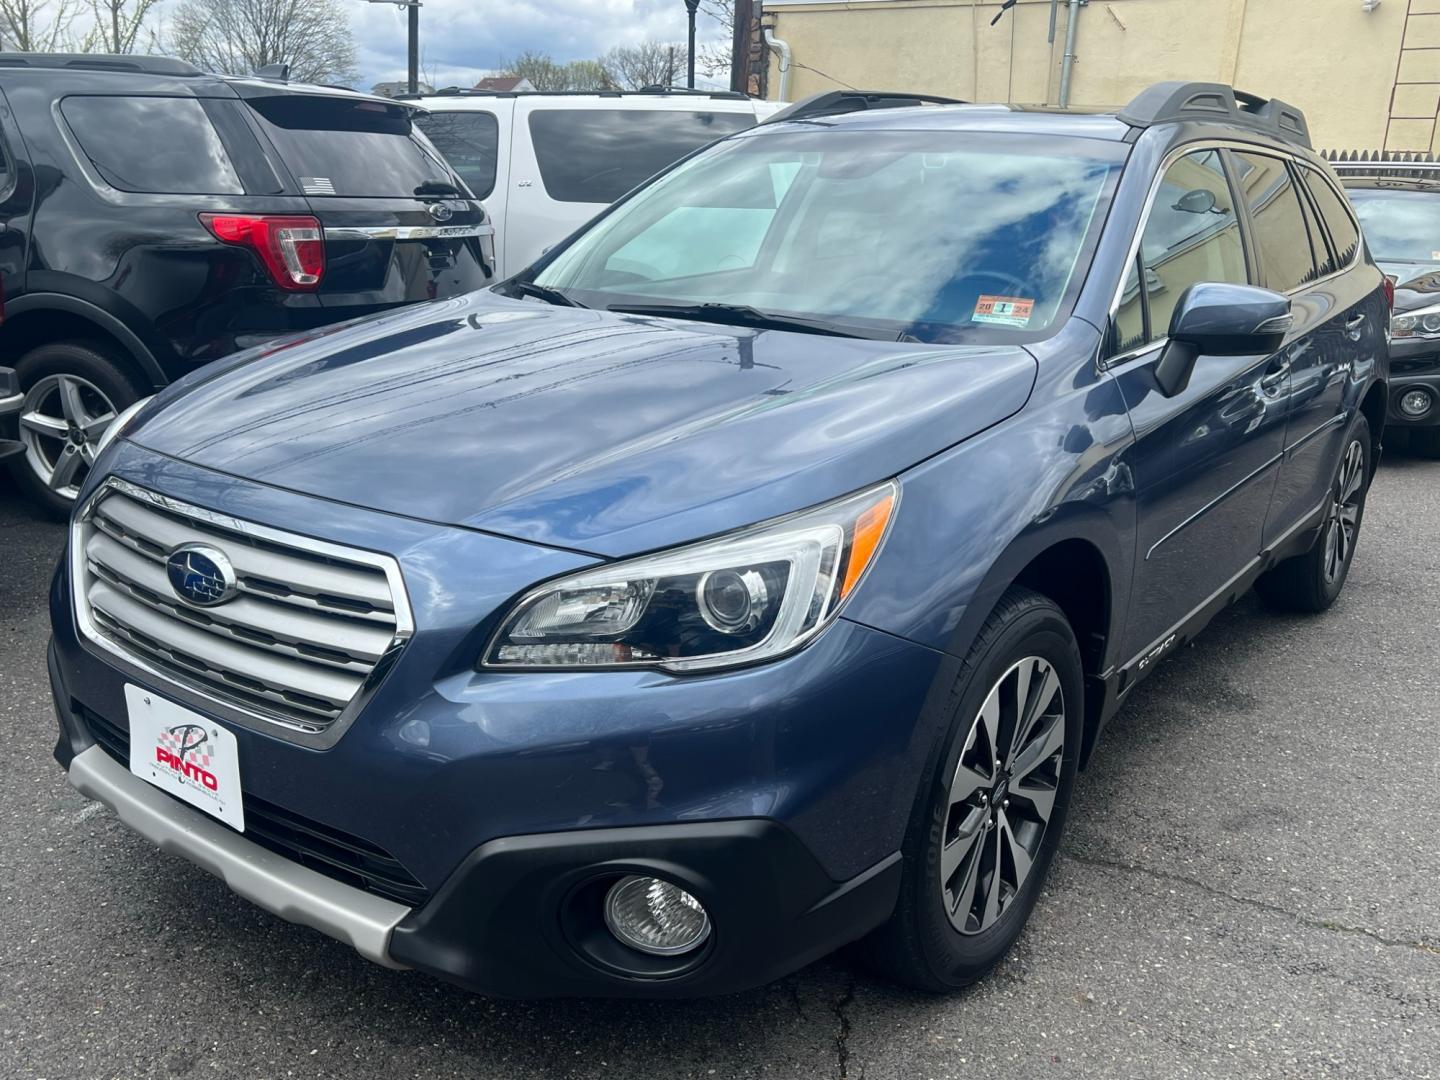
(781, 48)
(1068, 61)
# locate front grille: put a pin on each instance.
(306, 629)
(328, 851)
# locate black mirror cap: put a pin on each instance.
(1222, 319)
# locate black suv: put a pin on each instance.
(1399, 207)
(154, 218)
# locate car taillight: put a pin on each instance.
(1390, 292)
(292, 247)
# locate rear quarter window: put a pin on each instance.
(354, 148)
(470, 142)
(1338, 223)
(597, 155)
(154, 145)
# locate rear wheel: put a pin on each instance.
(989, 817)
(73, 393)
(1311, 582)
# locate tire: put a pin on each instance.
(1310, 582)
(938, 939)
(1425, 442)
(58, 449)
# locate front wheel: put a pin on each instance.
(1312, 581)
(989, 816)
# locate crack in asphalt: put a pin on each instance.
(1250, 902)
(842, 1037)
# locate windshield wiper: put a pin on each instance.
(745, 315)
(543, 292)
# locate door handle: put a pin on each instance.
(1272, 381)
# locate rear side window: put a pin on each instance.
(1344, 236)
(1282, 237)
(597, 155)
(360, 149)
(470, 142)
(156, 145)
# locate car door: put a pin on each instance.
(17, 195)
(1204, 461)
(572, 159)
(1339, 318)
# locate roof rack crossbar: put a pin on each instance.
(837, 102)
(146, 65)
(1170, 102)
(648, 91)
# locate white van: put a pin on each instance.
(544, 164)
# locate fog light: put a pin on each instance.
(1415, 402)
(655, 916)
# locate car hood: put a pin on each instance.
(1417, 284)
(588, 430)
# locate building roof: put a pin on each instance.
(504, 84)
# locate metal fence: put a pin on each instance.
(1400, 164)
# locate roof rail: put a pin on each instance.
(647, 91)
(838, 102)
(147, 65)
(1170, 102)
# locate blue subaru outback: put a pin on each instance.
(751, 575)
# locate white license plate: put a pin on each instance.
(184, 753)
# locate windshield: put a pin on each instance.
(944, 236)
(1399, 225)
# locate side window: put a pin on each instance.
(159, 145)
(469, 141)
(7, 170)
(1344, 236)
(1282, 237)
(1192, 235)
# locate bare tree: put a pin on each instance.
(650, 63)
(547, 75)
(714, 59)
(118, 24)
(35, 25)
(237, 37)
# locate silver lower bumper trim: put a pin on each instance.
(280, 886)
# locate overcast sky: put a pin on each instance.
(460, 40)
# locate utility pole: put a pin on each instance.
(690, 8)
(740, 47)
(412, 20)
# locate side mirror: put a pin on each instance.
(1198, 201)
(1218, 319)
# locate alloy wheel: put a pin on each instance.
(1344, 517)
(61, 421)
(1002, 795)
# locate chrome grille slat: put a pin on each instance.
(360, 584)
(360, 647)
(294, 599)
(312, 629)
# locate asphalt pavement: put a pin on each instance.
(1249, 887)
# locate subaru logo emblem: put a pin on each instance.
(441, 211)
(201, 575)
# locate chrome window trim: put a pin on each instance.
(1133, 251)
(240, 712)
(407, 232)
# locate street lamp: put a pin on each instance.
(690, 8)
(413, 19)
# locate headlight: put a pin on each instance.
(118, 425)
(749, 596)
(1424, 322)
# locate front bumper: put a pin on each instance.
(1414, 365)
(777, 794)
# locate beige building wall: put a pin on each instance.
(1365, 79)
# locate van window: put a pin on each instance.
(360, 149)
(1281, 235)
(1191, 235)
(597, 155)
(157, 145)
(1344, 236)
(470, 142)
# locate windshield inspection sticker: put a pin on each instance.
(1004, 310)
